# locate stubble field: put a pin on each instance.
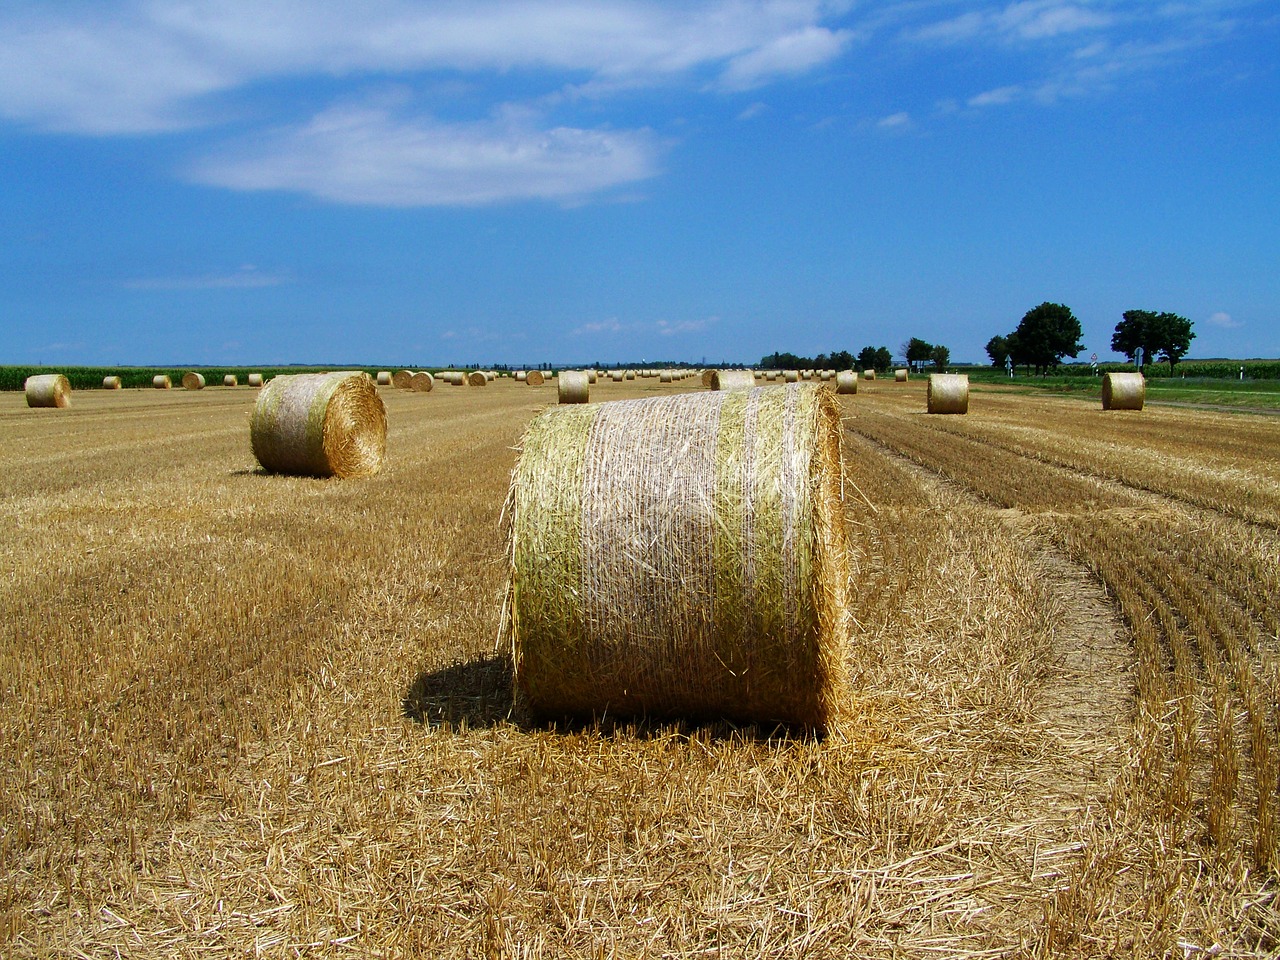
(243, 714)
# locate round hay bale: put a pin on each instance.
(732, 380)
(402, 379)
(520, 376)
(682, 556)
(616, 376)
(664, 376)
(112, 383)
(320, 425)
(161, 381)
(47, 390)
(846, 382)
(254, 379)
(230, 380)
(592, 376)
(707, 375)
(1123, 391)
(574, 387)
(900, 375)
(630, 374)
(791, 376)
(948, 393)
(191, 380)
(534, 378)
(457, 378)
(868, 374)
(384, 378)
(476, 378)
(421, 382)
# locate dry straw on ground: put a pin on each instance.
(384, 378)
(1123, 391)
(48, 390)
(900, 375)
(574, 387)
(421, 382)
(255, 379)
(230, 380)
(534, 378)
(321, 425)
(732, 380)
(161, 381)
(846, 382)
(111, 383)
(948, 393)
(682, 556)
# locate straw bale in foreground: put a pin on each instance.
(320, 425)
(112, 383)
(191, 380)
(47, 390)
(732, 380)
(230, 380)
(682, 556)
(846, 382)
(422, 382)
(574, 387)
(948, 393)
(161, 381)
(1123, 391)
(534, 378)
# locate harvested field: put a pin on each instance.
(1062, 735)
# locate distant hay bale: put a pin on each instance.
(402, 379)
(476, 378)
(254, 379)
(574, 387)
(1123, 391)
(900, 375)
(868, 374)
(664, 376)
(534, 378)
(384, 378)
(948, 393)
(520, 376)
(111, 383)
(732, 380)
(592, 376)
(320, 425)
(791, 376)
(191, 380)
(707, 376)
(846, 382)
(682, 556)
(230, 380)
(422, 382)
(630, 374)
(457, 378)
(616, 376)
(161, 381)
(47, 390)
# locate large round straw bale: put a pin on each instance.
(422, 382)
(111, 383)
(574, 386)
(682, 556)
(384, 378)
(948, 393)
(707, 376)
(1123, 391)
(402, 379)
(900, 375)
(476, 378)
(868, 374)
(161, 381)
(230, 380)
(47, 390)
(320, 425)
(846, 382)
(732, 380)
(254, 379)
(191, 380)
(791, 376)
(534, 378)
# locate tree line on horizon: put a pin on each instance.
(915, 350)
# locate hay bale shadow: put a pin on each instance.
(474, 693)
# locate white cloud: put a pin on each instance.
(895, 121)
(666, 328)
(367, 155)
(247, 277)
(792, 53)
(996, 97)
(1225, 320)
(1022, 21)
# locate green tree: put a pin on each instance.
(842, 360)
(1048, 333)
(1167, 336)
(884, 359)
(997, 350)
(917, 351)
(867, 358)
(941, 357)
(1175, 337)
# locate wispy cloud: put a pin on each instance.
(666, 328)
(895, 121)
(247, 277)
(997, 97)
(1225, 320)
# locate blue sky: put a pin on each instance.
(259, 181)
